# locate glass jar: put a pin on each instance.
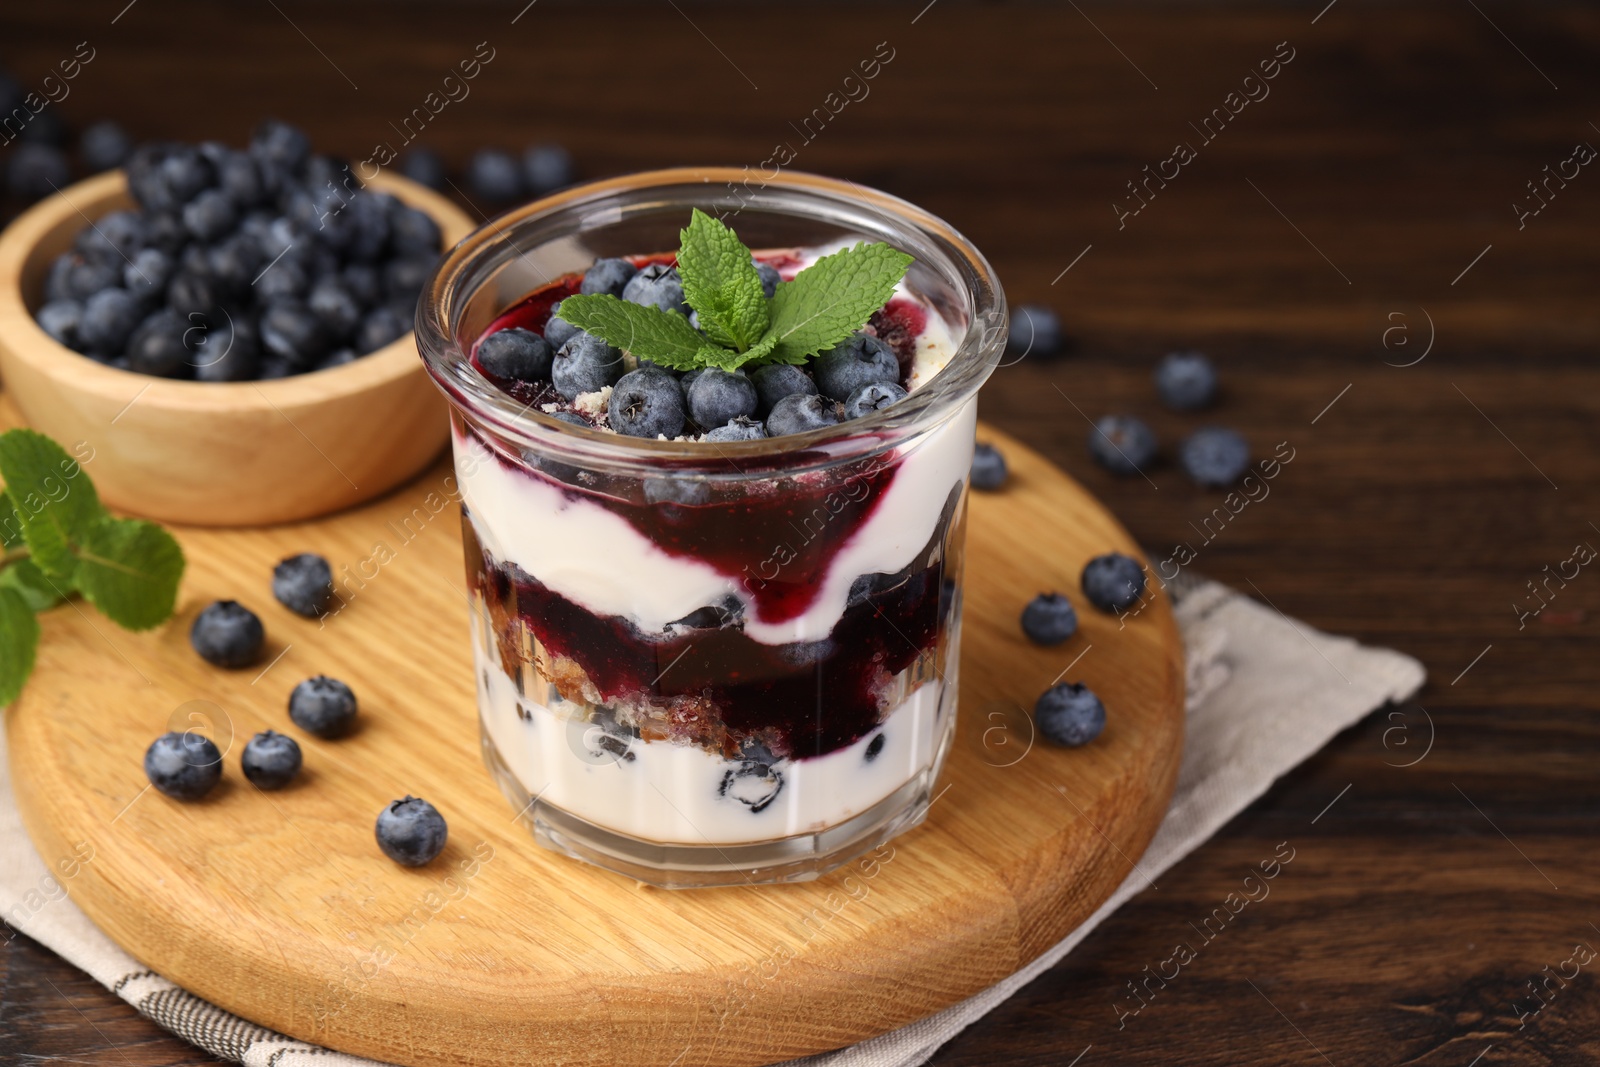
(709, 664)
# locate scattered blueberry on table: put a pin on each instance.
(304, 584)
(1122, 444)
(1186, 381)
(1049, 619)
(1214, 457)
(989, 470)
(411, 831)
(270, 760)
(184, 766)
(1035, 331)
(1113, 582)
(227, 634)
(1069, 714)
(323, 706)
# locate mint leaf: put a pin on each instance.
(831, 299)
(10, 522)
(54, 500)
(129, 569)
(19, 640)
(36, 587)
(662, 337)
(721, 283)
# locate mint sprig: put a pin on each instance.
(58, 539)
(739, 324)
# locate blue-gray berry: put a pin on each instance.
(160, 345)
(1113, 582)
(1186, 381)
(800, 413)
(60, 319)
(303, 584)
(989, 470)
(717, 397)
(874, 396)
(546, 168)
(494, 175)
(109, 319)
(1069, 714)
(516, 353)
(775, 381)
(1214, 457)
(854, 362)
(184, 766)
(646, 403)
(411, 831)
(607, 277)
(104, 145)
(559, 331)
(769, 278)
(583, 365)
(323, 706)
(1122, 444)
(740, 429)
(657, 286)
(227, 634)
(423, 166)
(1035, 331)
(379, 327)
(270, 760)
(1049, 619)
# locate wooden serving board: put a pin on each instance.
(280, 908)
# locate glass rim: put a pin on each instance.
(456, 276)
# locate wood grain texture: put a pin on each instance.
(279, 906)
(216, 453)
(1397, 141)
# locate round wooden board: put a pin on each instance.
(280, 908)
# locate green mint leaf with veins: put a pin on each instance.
(36, 587)
(10, 523)
(662, 337)
(129, 569)
(831, 299)
(19, 640)
(54, 501)
(721, 283)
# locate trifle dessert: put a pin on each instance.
(712, 474)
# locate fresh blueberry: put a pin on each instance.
(303, 584)
(874, 396)
(769, 278)
(184, 766)
(334, 307)
(35, 171)
(546, 168)
(364, 283)
(115, 236)
(191, 291)
(109, 318)
(146, 274)
(411, 831)
(799, 413)
(739, 429)
(1186, 381)
(607, 277)
(1069, 714)
(210, 215)
(281, 146)
(775, 381)
(323, 706)
(159, 345)
(367, 216)
(1214, 457)
(293, 333)
(558, 331)
(572, 418)
(90, 275)
(57, 281)
(233, 262)
(673, 489)
(381, 326)
(270, 760)
(228, 349)
(165, 231)
(494, 175)
(274, 367)
(657, 286)
(239, 178)
(104, 146)
(858, 360)
(1049, 619)
(60, 319)
(516, 353)
(423, 166)
(1122, 444)
(227, 634)
(583, 365)
(1113, 582)
(184, 173)
(337, 358)
(1035, 331)
(285, 280)
(645, 403)
(989, 470)
(403, 279)
(717, 397)
(413, 233)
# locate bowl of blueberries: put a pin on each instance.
(224, 334)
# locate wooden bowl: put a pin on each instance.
(215, 453)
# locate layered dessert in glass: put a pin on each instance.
(714, 654)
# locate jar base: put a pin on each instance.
(800, 858)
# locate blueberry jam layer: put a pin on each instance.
(704, 681)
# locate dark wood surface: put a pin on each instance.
(1348, 202)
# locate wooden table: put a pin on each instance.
(1367, 200)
